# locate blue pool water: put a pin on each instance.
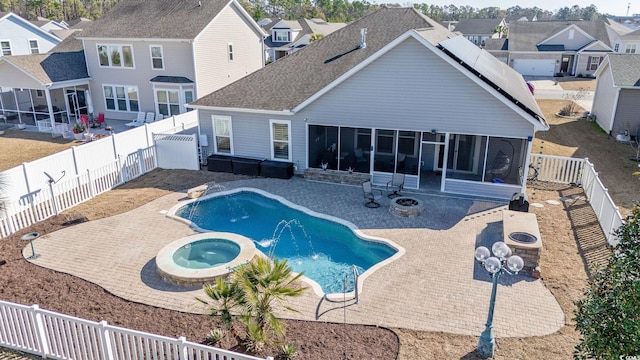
(324, 250)
(206, 253)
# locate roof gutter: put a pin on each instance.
(517, 102)
(251, 111)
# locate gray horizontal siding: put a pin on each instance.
(627, 112)
(411, 88)
(604, 100)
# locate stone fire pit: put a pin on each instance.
(406, 206)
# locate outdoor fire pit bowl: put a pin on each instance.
(406, 206)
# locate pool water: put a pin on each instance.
(206, 253)
(324, 250)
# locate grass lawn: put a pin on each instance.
(574, 83)
(18, 146)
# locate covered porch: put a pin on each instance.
(433, 161)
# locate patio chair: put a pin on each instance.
(84, 120)
(159, 116)
(151, 117)
(396, 184)
(139, 121)
(371, 195)
(100, 120)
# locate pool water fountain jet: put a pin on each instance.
(282, 226)
(194, 205)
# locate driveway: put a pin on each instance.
(548, 88)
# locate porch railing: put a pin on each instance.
(581, 172)
(56, 336)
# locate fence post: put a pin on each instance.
(141, 164)
(105, 341)
(92, 191)
(182, 348)
(40, 330)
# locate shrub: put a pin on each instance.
(288, 352)
(215, 336)
(566, 110)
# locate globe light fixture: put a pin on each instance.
(501, 261)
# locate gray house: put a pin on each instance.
(157, 56)
(288, 36)
(403, 96)
(479, 30)
(546, 48)
(616, 103)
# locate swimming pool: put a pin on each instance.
(325, 248)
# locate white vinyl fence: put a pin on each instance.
(581, 172)
(47, 186)
(57, 336)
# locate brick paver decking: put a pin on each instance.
(435, 286)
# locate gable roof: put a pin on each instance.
(309, 70)
(158, 19)
(625, 69)
(477, 26)
(63, 63)
(28, 24)
(305, 27)
(319, 67)
(526, 35)
(634, 35)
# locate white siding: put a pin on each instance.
(19, 34)
(604, 100)
(214, 70)
(10, 77)
(411, 88)
(579, 39)
(177, 58)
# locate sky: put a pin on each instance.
(613, 7)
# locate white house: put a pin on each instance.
(20, 37)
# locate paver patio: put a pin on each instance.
(435, 286)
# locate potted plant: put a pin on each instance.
(77, 131)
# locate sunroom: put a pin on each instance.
(431, 160)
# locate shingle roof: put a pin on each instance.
(525, 35)
(496, 44)
(308, 27)
(307, 71)
(64, 62)
(625, 69)
(477, 26)
(172, 79)
(155, 19)
(634, 35)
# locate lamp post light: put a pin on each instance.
(495, 265)
(30, 237)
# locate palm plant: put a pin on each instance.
(227, 295)
(265, 284)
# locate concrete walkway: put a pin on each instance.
(435, 286)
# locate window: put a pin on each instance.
(156, 57)
(188, 96)
(630, 49)
(222, 134)
(593, 63)
(280, 139)
(230, 51)
(115, 56)
(384, 141)
(39, 93)
(281, 36)
(33, 45)
(168, 102)
(6, 47)
(121, 98)
(616, 47)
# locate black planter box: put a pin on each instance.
(246, 166)
(276, 169)
(219, 163)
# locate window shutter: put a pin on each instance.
(588, 63)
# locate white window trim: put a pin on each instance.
(271, 140)
(616, 47)
(126, 93)
(151, 57)
(629, 47)
(10, 47)
(39, 93)
(110, 66)
(37, 46)
(230, 51)
(287, 32)
(180, 99)
(215, 143)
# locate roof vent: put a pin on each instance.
(363, 43)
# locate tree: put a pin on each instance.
(254, 290)
(608, 317)
(501, 30)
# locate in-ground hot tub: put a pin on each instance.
(200, 258)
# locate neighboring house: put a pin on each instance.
(408, 96)
(616, 103)
(20, 37)
(49, 25)
(288, 36)
(628, 43)
(547, 48)
(479, 30)
(157, 56)
(42, 89)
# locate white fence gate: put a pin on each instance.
(57, 336)
(175, 151)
